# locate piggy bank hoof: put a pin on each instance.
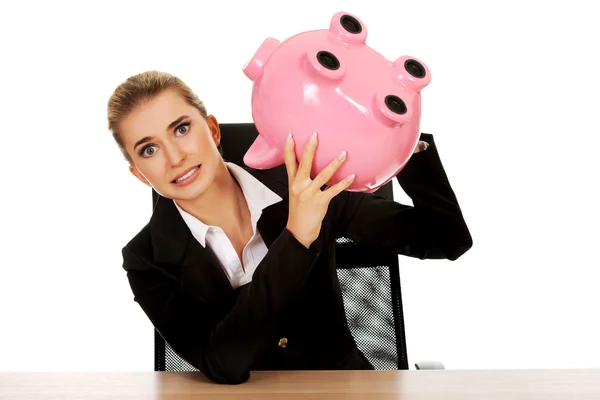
(351, 24)
(395, 104)
(328, 60)
(348, 29)
(415, 68)
(412, 73)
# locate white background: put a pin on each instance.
(513, 105)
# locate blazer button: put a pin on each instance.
(282, 343)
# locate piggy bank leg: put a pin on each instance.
(412, 73)
(253, 68)
(263, 156)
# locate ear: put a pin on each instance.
(138, 175)
(213, 125)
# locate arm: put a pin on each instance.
(433, 228)
(223, 350)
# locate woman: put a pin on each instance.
(236, 269)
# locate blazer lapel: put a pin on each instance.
(274, 218)
(177, 251)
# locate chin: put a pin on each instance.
(191, 192)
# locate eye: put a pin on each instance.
(183, 128)
(148, 151)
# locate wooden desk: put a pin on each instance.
(330, 385)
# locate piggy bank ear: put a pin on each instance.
(254, 67)
(348, 28)
(412, 73)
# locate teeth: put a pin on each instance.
(186, 175)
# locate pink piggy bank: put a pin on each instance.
(332, 83)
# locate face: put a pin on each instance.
(173, 148)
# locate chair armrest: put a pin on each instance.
(429, 365)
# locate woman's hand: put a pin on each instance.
(421, 146)
(308, 203)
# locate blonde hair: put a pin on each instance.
(141, 88)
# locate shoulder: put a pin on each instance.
(138, 246)
(141, 240)
(163, 235)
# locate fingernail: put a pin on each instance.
(289, 138)
(313, 138)
(341, 156)
(350, 178)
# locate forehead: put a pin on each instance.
(152, 117)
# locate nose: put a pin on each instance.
(175, 154)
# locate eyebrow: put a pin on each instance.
(171, 126)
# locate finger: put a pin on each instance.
(417, 148)
(291, 165)
(326, 173)
(307, 158)
(421, 146)
(338, 188)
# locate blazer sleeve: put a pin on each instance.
(432, 228)
(223, 350)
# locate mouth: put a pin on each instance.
(187, 177)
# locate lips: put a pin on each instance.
(185, 174)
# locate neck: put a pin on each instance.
(223, 204)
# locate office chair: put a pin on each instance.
(369, 280)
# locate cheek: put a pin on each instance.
(198, 143)
(153, 169)
(150, 172)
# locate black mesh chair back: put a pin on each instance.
(369, 279)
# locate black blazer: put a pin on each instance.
(294, 293)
